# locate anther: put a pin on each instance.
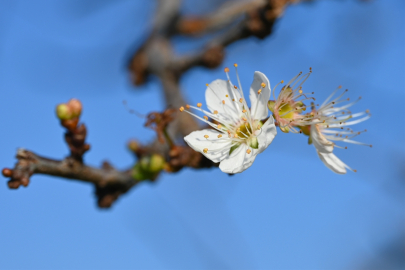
(215, 112)
(248, 151)
(240, 100)
(206, 84)
(219, 126)
(223, 101)
(259, 91)
(235, 87)
(206, 117)
(244, 119)
(300, 91)
(235, 65)
(282, 81)
(206, 136)
(205, 150)
(188, 106)
(226, 69)
(346, 147)
(219, 136)
(263, 85)
(355, 170)
(181, 108)
(235, 135)
(226, 96)
(199, 105)
(367, 111)
(244, 111)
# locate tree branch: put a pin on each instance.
(233, 21)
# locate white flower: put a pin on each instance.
(330, 124)
(238, 133)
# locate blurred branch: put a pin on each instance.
(231, 22)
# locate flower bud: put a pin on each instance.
(156, 163)
(75, 106)
(63, 112)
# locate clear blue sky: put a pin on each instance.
(288, 211)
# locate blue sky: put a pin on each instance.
(287, 211)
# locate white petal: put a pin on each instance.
(214, 144)
(216, 92)
(239, 160)
(268, 132)
(332, 162)
(259, 101)
(320, 142)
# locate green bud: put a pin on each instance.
(270, 105)
(156, 163)
(310, 140)
(63, 112)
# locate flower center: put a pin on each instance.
(286, 111)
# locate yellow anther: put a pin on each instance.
(235, 87)
(244, 119)
(240, 100)
(300, 91)
(248, 151)
(215, 112)
(205, 150)
(263, 85)
(223, 101)
(282, 81)
(233, 99)
(367, 111)
(244, 111)
(226, 95)
(206, 117)
(199, 105)
(259, 91)
(206, 84)
(235, 135)
(258, 127)
(235, 65)
(226, 69)
(219, 136)
(181, 108)
(188, 106)
(206, 136)
(219, 126)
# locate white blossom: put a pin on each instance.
(330, 125)
(238, 132)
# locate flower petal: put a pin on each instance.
(239, 160)
(320, 142)
(258, 101)
(332, 162)
(218, 149)
(218, 91)
(268, 132)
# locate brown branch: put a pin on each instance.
(106, 178)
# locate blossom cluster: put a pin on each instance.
(238, 132)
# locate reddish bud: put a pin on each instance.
(25, 181)
(7, 172)
(13, 184)
(75, 107)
